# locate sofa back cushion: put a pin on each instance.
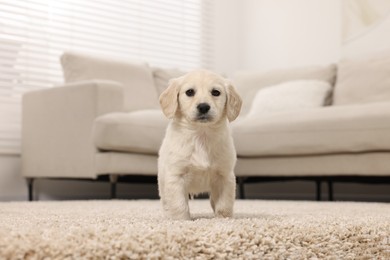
(248, 83)
(136, 78)
(363, 80)
(162, 77)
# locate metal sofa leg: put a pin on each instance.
(30, 183)
(241, 187)
(330, 190)
(318, 190)
(113, 182)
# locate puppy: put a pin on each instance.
(197, 154)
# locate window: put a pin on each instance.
(34, 33)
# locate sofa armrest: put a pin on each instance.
(57, 127)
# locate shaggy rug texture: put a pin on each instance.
(137, 230)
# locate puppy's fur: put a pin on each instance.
(197, 154)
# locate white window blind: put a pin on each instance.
(34, 33)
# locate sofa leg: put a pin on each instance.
(30, 183)
(330, 190)
(318, 190)
(113, 182)
(241, 187)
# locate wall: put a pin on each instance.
(276, 34)
(375, 39)
(227, 28)
(12, 185)
(265, 34)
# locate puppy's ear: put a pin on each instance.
(233, 103)
(168, 99)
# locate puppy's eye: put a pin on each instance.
(215, 93)
(190, 92)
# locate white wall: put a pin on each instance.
(227, 26)
(271, 34)
(12, 185)
(279, 33)
(266, 34)
(376, 39)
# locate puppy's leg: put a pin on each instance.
(161, 187)
(222, 195)
(175, 198)
(212, 201)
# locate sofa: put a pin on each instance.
(319, 123)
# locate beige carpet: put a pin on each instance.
(136, 229)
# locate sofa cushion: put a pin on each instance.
(162, 76)
(332, 129)
(136, 78)
(248, 83)
(363, 80)
(136, 132)
(290, 96)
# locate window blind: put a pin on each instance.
(34, 33)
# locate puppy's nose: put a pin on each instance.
(203, 108)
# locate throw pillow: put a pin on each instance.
(248, 83)
(290, 96)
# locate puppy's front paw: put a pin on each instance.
(224, 213)
(177, 216)
(176, 212)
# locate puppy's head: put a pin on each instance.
(201, 97)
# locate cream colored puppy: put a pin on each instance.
(197, 154)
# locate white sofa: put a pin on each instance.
(105, 121)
